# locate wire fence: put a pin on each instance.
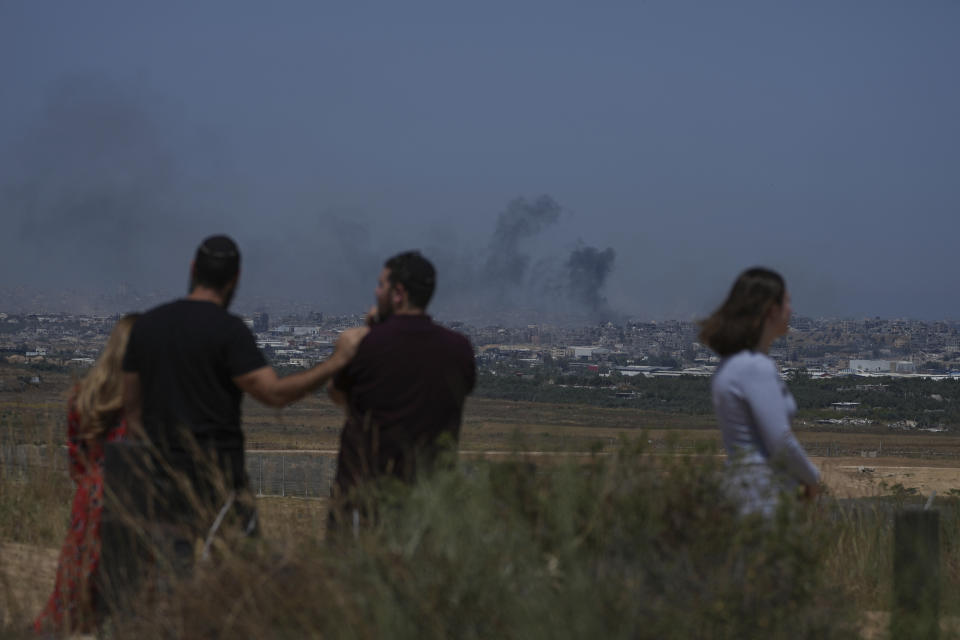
(307, 474)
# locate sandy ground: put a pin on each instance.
(26, 579)
(866, 477)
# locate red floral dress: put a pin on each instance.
(72, 604)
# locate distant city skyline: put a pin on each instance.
(823, 348)
(20, 303)
(680, 143)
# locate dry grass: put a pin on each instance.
(526, 545)
(292, 567)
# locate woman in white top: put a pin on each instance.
(754, 407)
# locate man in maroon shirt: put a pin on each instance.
(404, 390)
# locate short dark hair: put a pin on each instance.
(216, 263)
(416, 274)
(738, 324)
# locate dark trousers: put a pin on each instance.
(156, 506)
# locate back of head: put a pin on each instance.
(216, 264)
(738, 324)
(99, 396)
(416, 274)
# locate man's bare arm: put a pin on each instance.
(132, 404)
(337, 396)
(274, 391)
(266, 386)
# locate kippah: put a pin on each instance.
(219, 247)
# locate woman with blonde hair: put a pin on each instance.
(753, 406)
(94, 417)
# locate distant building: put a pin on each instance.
(272, 344)
(579, 353)
(261, 322)
(952, 344)
(882, 366)
(845, 406)
(870, 366)
(903, 366)
(587, 353)
(632, 370)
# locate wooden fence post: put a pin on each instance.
(916, 575)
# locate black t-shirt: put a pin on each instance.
(187, 353)
(405, 388)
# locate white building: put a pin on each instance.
(903, 366)
(870, 366)
(580, 352)
(845, 406)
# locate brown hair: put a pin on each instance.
(738, 323)
(98, 398)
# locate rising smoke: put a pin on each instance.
(94, 196)
(518, 280)
(106, 192)
(507, 263)
(587, 270)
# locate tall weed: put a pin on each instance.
(627, 546)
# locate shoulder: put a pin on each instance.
(203, 314)
(235, 321)
(398, 330)
(378, 333)
(158, 316)
(752, 362)
(450, 334)
(463, 343)
(745, 365)
(162, 310)
(453, 340)
(236, 336)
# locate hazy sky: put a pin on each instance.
(677, 143)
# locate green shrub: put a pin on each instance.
(626, 546)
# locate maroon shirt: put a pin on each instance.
(405, 388)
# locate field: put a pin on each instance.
(903, 467)
(854, 464)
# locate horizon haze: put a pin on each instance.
(553, 160)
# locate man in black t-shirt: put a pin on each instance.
(404, 390)
(186, 367)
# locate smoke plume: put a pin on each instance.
(587, 270)
(521, 220)
(105, 195)
(515, 278)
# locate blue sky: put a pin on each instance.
(693, 138)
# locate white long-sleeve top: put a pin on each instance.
(754, 409)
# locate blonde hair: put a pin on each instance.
(98, 398)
